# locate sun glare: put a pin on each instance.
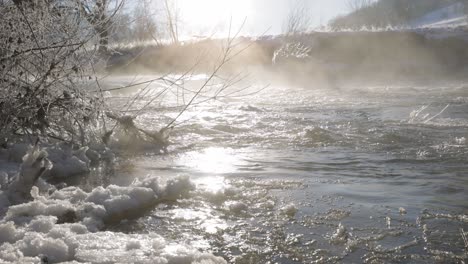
(207, 17)
(212, 160)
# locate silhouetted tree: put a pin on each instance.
(144, 26)
(298, 19)
(99, 15)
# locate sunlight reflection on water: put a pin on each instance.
(348, 159)
(211, 160)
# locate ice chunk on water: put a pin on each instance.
(38, 229)
(58, 225)
(8, 232)
(402, 211)
(35, 164)
(179, 254)
(237, 207)
(340, 235)
(108, 247)
(40, 206)
(289, 210)
(42, 224)
(116, 199)
(177, 188)
(35, 244)
(100, 204)
(68, 162)
(267, 204)
(460, 140)
(72, 194)
(133, 244)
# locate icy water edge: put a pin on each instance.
(305, 175)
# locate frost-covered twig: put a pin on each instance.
(438, 114)
(465, 239)
(44, 72)
(226, 57)
(160, 137)
(416, 114)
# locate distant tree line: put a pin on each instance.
(147, 20)
(383, 13)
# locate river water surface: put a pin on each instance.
(374, 174)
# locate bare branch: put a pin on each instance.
(298, 19)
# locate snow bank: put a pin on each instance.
(39, 223)
(65, 161)
(64, 226)
(101, 205)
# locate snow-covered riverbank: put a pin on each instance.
(59, 225)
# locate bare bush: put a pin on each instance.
(214, 86)
(46, 57)
(145, 27)
(48, 84)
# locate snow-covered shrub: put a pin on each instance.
(291, 51)
(45, 72)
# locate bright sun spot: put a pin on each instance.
(214, 16)
(212, 160)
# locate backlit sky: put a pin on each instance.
(204, 17)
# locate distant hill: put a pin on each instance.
(452, 15)
(413, 13)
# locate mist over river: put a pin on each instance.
(308, 174)
(233, 132)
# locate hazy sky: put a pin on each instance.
(205, 16)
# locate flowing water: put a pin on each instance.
(374, 174)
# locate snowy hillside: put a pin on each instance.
(447, 17)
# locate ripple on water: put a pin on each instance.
(320, 177)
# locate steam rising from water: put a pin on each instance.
(359, 174)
